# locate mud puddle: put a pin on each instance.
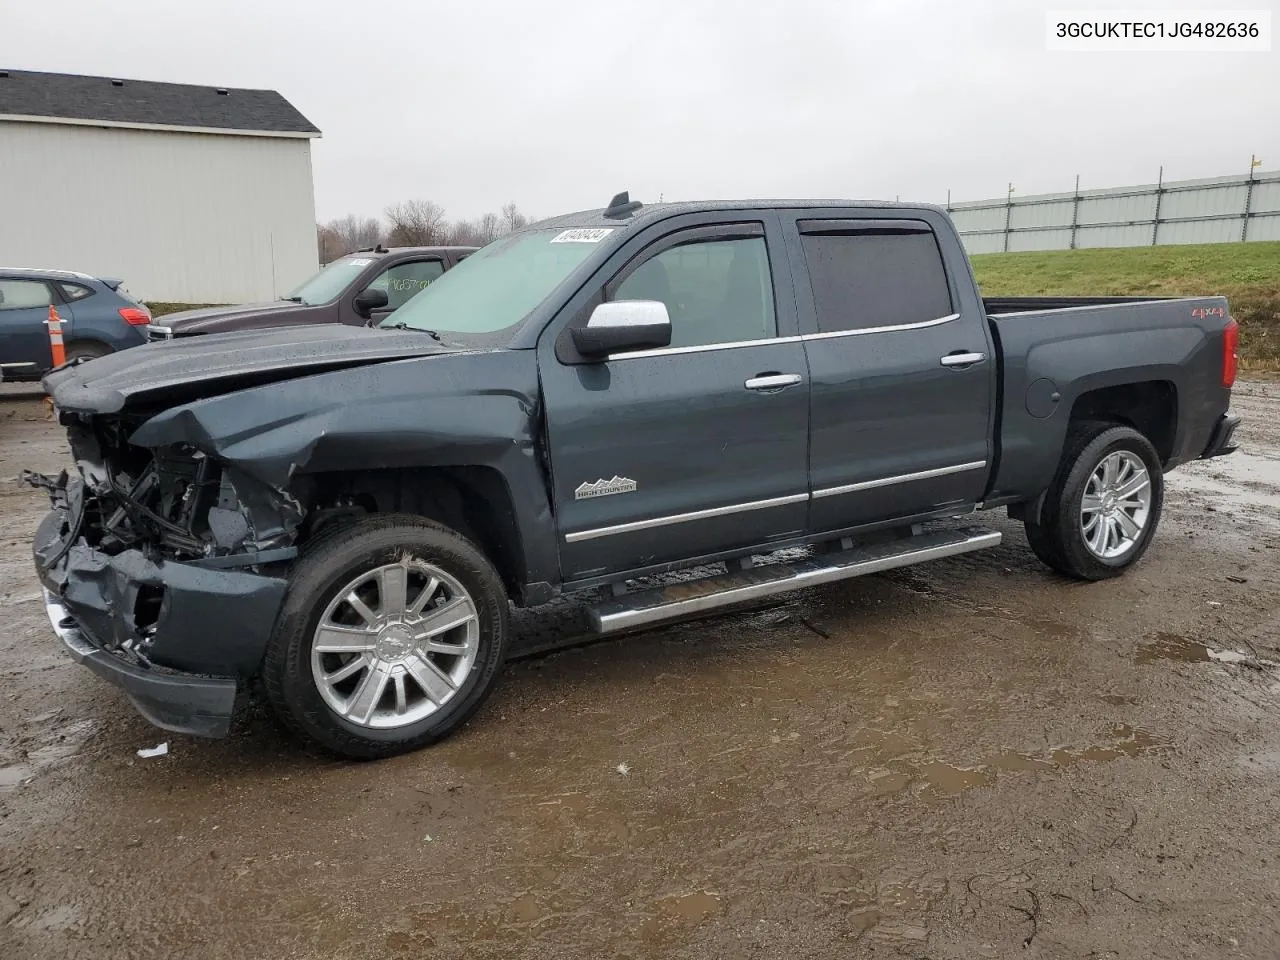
(1241, 482)
(934, 777)
(1172, 646)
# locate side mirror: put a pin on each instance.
(367, 301)
(624, 325)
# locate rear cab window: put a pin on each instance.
(871, 274)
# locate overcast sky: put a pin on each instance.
(558, 104)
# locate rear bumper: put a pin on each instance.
(1223, 439)
(175, 637)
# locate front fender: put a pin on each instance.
(448, 410)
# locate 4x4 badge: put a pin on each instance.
(604, 488)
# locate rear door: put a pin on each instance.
(698, 448)
(902, 370)
(24, 337)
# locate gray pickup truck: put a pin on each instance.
(346, 514)
(361, 288)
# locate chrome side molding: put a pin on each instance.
(901, 478)
(683, 518)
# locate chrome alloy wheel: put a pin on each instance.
(1116, 505)
(395, 645)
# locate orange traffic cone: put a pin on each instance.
(55, 337)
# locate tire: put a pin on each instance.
(86, 350)
(1096, 544)
(1042, 546)
(369, 714)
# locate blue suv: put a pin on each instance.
(98, 317)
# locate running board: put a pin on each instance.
(683, 599)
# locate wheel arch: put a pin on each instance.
(474, 500)
(1148, 406)
(90, 341)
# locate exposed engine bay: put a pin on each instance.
(174, 502)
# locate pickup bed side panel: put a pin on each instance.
(440, 411)
(1069, 352)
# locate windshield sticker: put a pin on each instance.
(582, 236)
(359, 263)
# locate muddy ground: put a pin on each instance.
(969, 759)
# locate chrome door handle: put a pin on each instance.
(962, 359)
(773, 381)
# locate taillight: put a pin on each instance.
(1230, 354)
(135, 316)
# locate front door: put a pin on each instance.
(694, 449)
(24, 337)
(903, 373)
(401, 283)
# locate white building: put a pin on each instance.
(190, 194)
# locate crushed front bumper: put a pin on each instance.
(176, 637)
(172, 701)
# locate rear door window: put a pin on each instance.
(24, 294)
(877, 275)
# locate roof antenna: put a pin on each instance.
(622, 206)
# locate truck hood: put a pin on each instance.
(190, 368)
(185, 317)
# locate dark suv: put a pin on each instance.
(359, 288)
(98, 317)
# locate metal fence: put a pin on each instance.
(1218, 210)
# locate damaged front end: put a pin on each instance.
(173, 502)
(157, 566)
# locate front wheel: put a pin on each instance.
(1103, 506)
(391, 636)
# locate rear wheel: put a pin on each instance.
(1104, 505)
(391, 636)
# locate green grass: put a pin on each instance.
(159, 309)
(1247, 274)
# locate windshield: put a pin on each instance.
(499, 285)
(329, 282)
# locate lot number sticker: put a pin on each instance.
(582, 236)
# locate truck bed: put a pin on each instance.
(1002, 305)
(1173, 344)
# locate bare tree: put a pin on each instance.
(352, 233)
(512, 218)
(328, 242)
(465, 233)
(416, 223)
(490, 226)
